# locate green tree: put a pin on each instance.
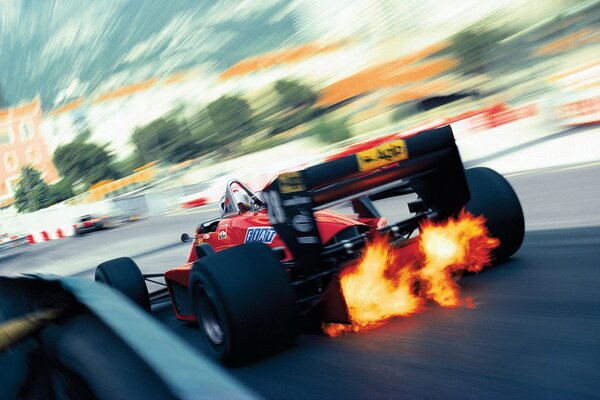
(293, 94)
(84, 162)
(295, 106)
(84, 135)
(331, 131)
(404, 111)
(292, 120)
(479, 49)
(126, 166)
(166, 139)
(231, 118)
(61, 191)
(32, 193)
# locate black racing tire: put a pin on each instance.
(124, 275)
(244, 302)
(77, 232)
(99, 226)
(494, 198)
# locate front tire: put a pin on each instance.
(244, 302)
(124, 275)
(494, 198)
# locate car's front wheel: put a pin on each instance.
(243, 301)
(124, 275)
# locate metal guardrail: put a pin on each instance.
(14, 244)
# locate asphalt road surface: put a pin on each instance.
(534, 333)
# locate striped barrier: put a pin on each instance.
(47, 235)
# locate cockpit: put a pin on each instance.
(238, 199)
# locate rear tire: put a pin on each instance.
(494, 198)
(124, 275)
(244, 302)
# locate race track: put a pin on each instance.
(533, 333)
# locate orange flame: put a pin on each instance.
(390, 282)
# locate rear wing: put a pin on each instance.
(427, 163)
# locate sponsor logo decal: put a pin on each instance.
(382, 155)
(222, 233)
(260, 234)
(308, 240)
(297, 201)
(291, 182)
(302, 223)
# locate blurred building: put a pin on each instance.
(21, 144)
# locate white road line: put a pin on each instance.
(554, 169)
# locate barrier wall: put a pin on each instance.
(480, 134)
(51, 219)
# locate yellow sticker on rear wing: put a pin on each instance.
(382, 155)
(291, 182)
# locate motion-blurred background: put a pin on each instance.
(145, 108)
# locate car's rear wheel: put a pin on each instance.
(494, 198)
(244, 302)
(124, 275)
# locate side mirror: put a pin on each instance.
(185, 237)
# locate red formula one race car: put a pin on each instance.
(91, 223)
(275, 257)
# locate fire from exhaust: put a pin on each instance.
(389, 282)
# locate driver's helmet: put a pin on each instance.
(240, 197)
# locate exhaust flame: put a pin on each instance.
(449, 249)
(389, 282)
